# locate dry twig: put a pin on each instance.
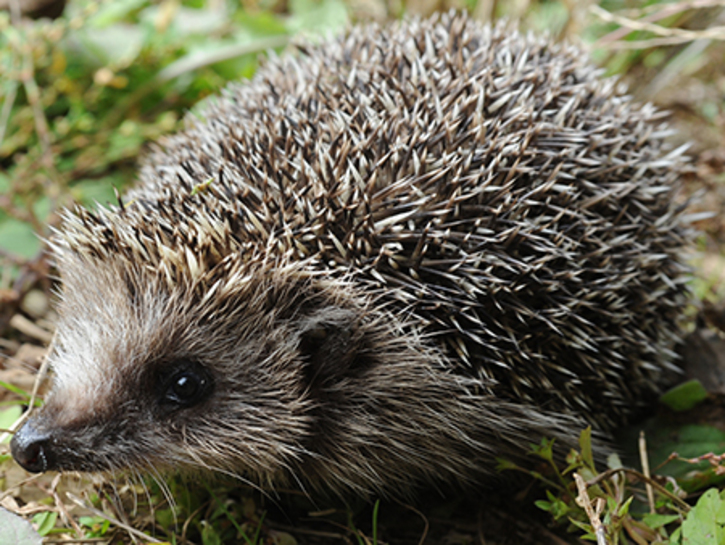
(593, 512)
(670, 36)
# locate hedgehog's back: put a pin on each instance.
(492, 186)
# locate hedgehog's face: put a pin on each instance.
(146, 376)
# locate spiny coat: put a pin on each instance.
(387, 259)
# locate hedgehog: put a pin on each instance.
(386, 261)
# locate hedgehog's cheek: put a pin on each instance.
(32, 447)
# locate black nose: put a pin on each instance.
(31, 448)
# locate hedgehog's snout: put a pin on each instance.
(32, 448)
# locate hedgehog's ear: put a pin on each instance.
(329, 343)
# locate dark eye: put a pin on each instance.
(187, 384)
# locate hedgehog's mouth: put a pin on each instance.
(39, 446)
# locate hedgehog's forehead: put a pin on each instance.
(119, 277)
(106, 308)
(182, 239)
(126, 289)
(109, 332)
(169, 236)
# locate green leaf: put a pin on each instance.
(94, 522)
(92, 192)
(17, 237)
(117, 45)
(89, 522)
(317, 16)
(125, 141)
(216, 53)
(655, 520)
(503, 464)
(555, 506)
(586, 528)
(113, 12)
(624, 509)
(551, 16)
(45, 521)
(585, 443)
(688, 441)
(15, 389)
(209, 535)
(704, 523)
(41, 208)
(544, 450)
(165, 517)
(9, 416)
(261, 24)
(614, 461)
(98, 526)
(189, 21)
(684, 396)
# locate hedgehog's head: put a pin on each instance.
(177, 346)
